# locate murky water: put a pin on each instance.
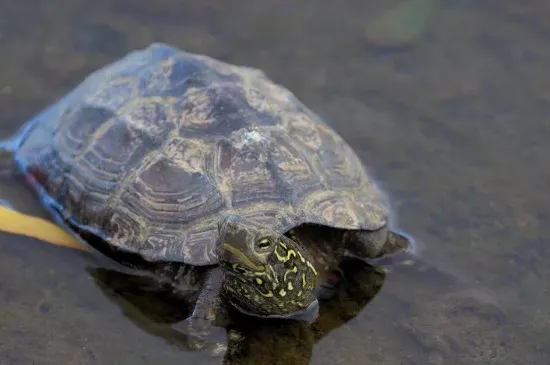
(454, 126)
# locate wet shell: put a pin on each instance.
(150, 151)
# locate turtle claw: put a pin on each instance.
(199, 327)
(202, 336)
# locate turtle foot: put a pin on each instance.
(203, 337)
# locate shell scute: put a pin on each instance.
(216, 110)
(246, 166)
(111, 153)
(125, 230)
(291, 170)
(77, 127)
(339, 167)
(251, 180)
(149, 117)
(166, 193)
(189, 154)
(115, 94)
(301, 126)
(169, 79)
(200, 245)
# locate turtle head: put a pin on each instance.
(266, 273)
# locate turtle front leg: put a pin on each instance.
(209, 311)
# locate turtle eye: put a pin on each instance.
(264, 243)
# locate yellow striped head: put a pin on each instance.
(266, 273)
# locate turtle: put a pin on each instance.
(209, 174)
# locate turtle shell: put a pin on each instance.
(150, 151)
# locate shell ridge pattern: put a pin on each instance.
(84, 98)
(135, 65)
(151, 159)
(162, 142)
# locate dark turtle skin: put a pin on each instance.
(180, 159)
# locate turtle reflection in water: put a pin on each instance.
(249, 341)
(209, 175)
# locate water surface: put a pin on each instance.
(454, 126)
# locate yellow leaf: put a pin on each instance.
(14, 222)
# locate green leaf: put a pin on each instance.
(401, 24)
